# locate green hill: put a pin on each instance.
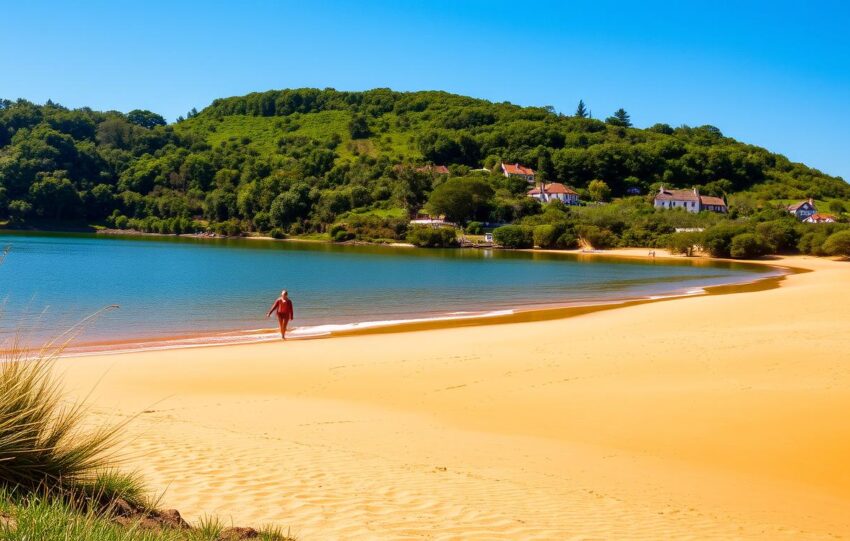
(297, 161)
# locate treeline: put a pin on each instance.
(306, 161)
(634, 222)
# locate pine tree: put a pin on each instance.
(581, 110)
(621, 118)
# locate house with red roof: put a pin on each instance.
(803, 209)
(820, 218)
(517, 170)
(554, 191)
(689, 200)
(434, 169)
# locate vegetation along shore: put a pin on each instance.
(363, 166)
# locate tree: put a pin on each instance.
(621, 118)
(358, 127)
(145, 119)
(837, 206)
(838, 243)
(514, 236)
(683, 243)
(55, 197)
(581, 110)
(599, 190)
(461, 199)
(748, 246)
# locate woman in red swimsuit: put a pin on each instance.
(285, 312)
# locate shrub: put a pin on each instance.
(838, 244)
(475, 228)
(42, 441)
(683, 243)
(782, 235)
(748, 246)
(121, 221)
(717, 240)
(514, 236)
(546, 236)
(428, 237)
(277, 233)
(597, 237)
(262, 221)
(342, 235)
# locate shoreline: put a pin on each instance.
(471, 318)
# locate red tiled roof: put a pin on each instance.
(436, 169)
(711, 200)
(677, 195)
(553, 188)
(516, 169)
(821, 218)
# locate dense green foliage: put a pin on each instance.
(300, 161)
(430, 237)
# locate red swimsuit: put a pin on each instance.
(284, 309)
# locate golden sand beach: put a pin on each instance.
(709, 417)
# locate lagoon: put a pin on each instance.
(175, 286)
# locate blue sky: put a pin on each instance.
(776, 74)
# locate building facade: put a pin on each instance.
(689, 200)
(554, 191)
(803, 209)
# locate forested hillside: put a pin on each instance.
(299, 161)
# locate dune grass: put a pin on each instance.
(46, 518)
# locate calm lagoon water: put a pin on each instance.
(174, 286)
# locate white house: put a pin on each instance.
(553, 191)
(517, 170)
(818, 218)
(690, 200)
(803, 209)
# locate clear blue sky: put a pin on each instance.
(772, 73)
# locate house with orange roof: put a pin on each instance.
(820, 218)
(554, 191)
(517, 170)
(434, 169)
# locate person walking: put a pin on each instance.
(285, 312)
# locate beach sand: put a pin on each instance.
(711, 417)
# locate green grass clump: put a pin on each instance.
(43, 441)
(48, 518)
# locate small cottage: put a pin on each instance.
(517, 170)
(819, 218)
(803, 209)
(554, 191)
(689, 200)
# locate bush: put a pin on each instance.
(277, 233)
(475, 228)
(683, 243)
(597, 237)
(546, 236)
(838, 244)
(782, 235)
(717, 240)
(42, 440)
(514, 236)
(342, 235)
(748, 246)
(121, 222)
(429, 237)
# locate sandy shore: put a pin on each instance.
(714, 417)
